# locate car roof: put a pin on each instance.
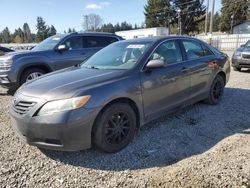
(88, 33)
(158, 39)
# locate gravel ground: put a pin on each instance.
(200, 146)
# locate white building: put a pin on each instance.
(139, 33)
(243, 28)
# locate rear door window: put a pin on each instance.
(207, 51)
(97, 41)
(193, 49)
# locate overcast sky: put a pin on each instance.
(65, 13)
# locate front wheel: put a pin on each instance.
(31, 74)
(216, 91)
(114, 128)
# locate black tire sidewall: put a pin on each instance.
(212, 100)
(99, 128)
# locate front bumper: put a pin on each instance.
(66, 131)
(5, 80)
(240, 62)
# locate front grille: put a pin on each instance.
(246, 56)
(23, 107)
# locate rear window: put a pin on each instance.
(193, 49)
(97, 41)
(207, 51)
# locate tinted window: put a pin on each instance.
(98, 41)
(169, 52)
(74, 43)
(48, 44)
(207, 51)
(193, 49)
(247, 44)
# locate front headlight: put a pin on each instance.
(237, 54)
(6, 60)
(63, 105)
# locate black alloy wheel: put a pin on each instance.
(114, 128)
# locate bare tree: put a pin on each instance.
(91, 22)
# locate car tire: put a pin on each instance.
(35, 71)
(115, 128)
(216, 91)
(237, 68)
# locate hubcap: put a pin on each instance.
(117, 128)
(217, 91)
(33, 75)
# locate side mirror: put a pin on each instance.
(243, 45)
(62, 47)
(153, 64)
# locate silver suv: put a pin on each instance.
(241, 57)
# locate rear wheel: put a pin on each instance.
(237, 68)
(114, 128)
(216, 90)
(31, 74)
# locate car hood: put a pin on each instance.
(244, 49)
(16, 55)
(68, 82)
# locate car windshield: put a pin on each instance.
(121, 55)
(248, 44)
(48, 44)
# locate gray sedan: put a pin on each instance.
(103, 102)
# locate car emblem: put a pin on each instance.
(15, 101)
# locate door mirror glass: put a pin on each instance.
(62, 47)
(157, 63)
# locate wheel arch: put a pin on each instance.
(42, 66)
(125, 100)
(223, 75)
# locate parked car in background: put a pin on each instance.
(54, 53)
(241, 57)
(125, 85)
(4, 50)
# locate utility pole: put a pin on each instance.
(206, 21)
(179, 22)
(232, 23)
(211, 21)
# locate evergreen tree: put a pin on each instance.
(6, 38)
(216, 23)
(191, 13)
(157, 13)
(52, 31)
(18, 39)
(233, 13)
(27, 33)
(42, 30)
